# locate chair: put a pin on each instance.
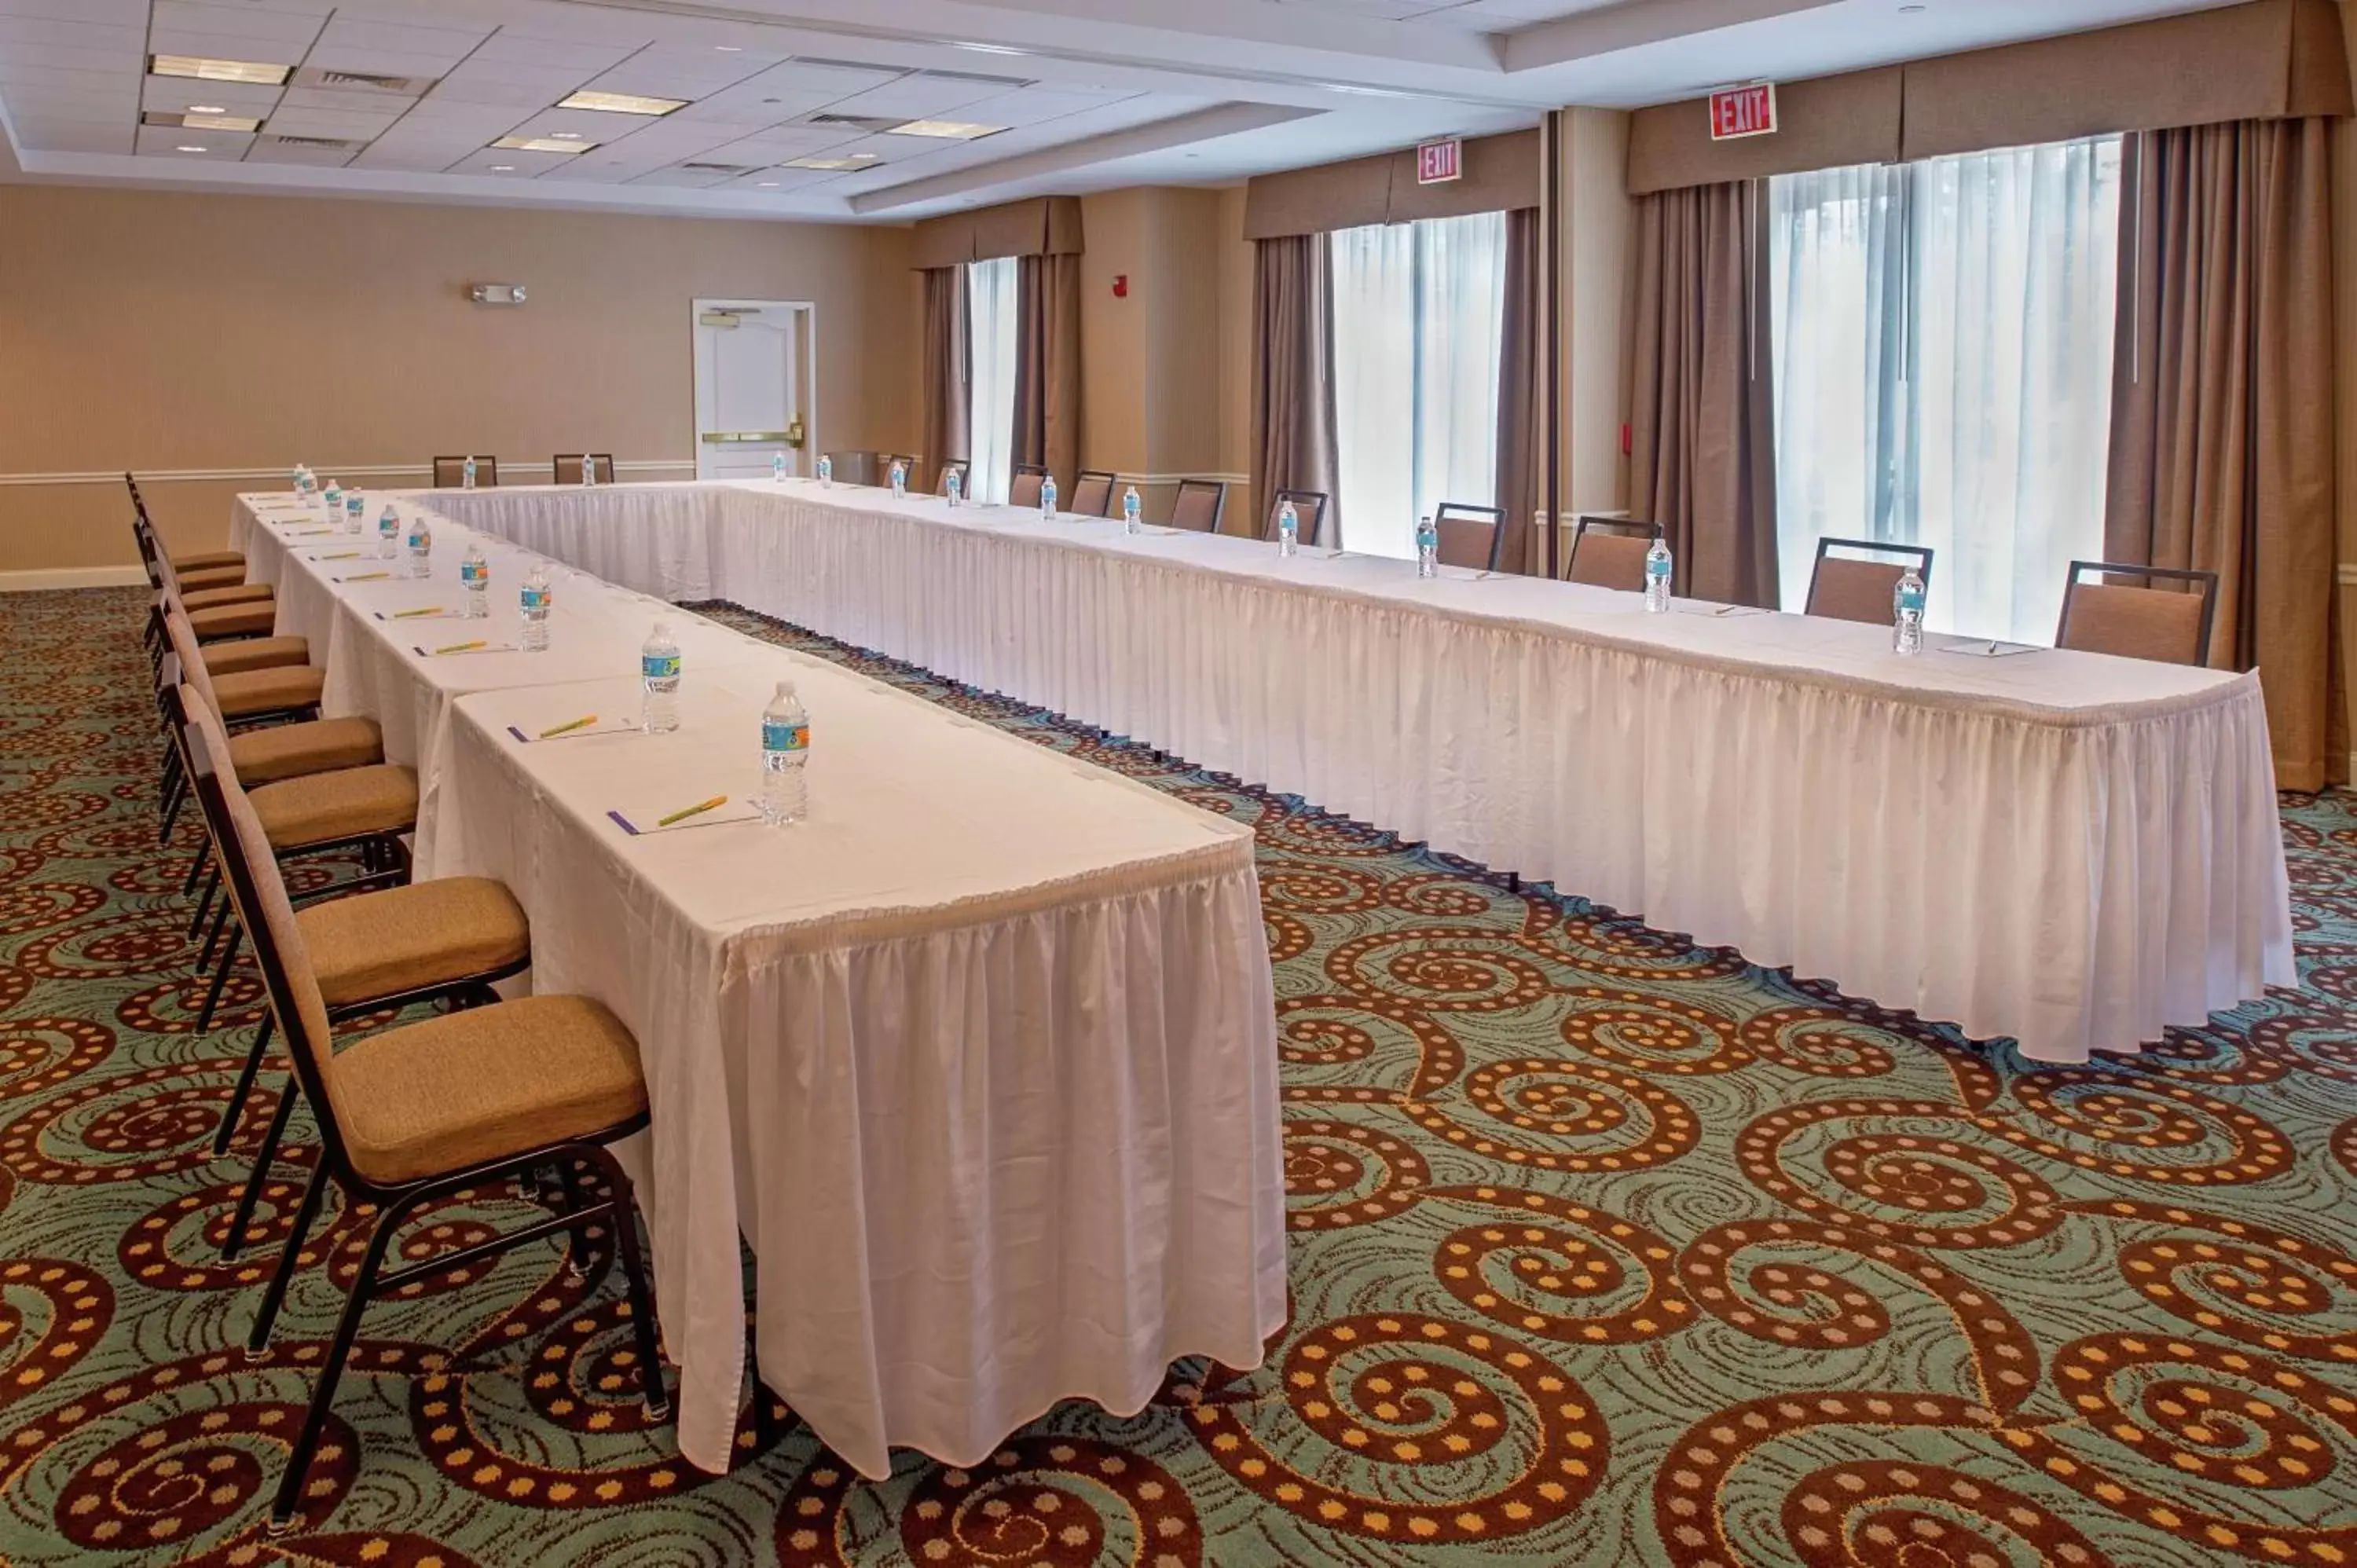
(958, 466)
(416, 1111)
(197, 563)
(1092, 493)
(1610, 553)
(1308, 512)
(565, 466)
(2171, 624)
(1024, 488)
(1199, 505)
(1843, 589)
(908, 469)
(1469, 535)
(450, 473)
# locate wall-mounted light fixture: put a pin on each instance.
(496, 293)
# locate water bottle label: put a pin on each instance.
(660, 666)
(474, 573)
(1912, 599)
(778, 735)
(535, 599)
(1658, 570)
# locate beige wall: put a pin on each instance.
(179, 333)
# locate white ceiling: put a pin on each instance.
(1090, 94)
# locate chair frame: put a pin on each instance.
(1195, 487)
(1581, 524)
(1471, 511)
(1315, 534)
(556, 465)
(396, 1201)
(1922, 554)
(1111, 481)
(486, 471)
(2206, 581)
(1025, 470)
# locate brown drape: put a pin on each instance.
(1521, 397)
(1295, 446)
(1701, 420)
(2222, 455)
(947, 387)
(1047, 364)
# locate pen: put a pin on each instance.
(365, 577)
(461, 646)
(554, 731)
(696, 811)
(428, 610)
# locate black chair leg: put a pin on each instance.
(257, 1338)
(212, 937)
(234, 1111)
(284, 1509)
(174, 793)
(198, 863)
(220, 980)
(259, 1178)
(625, 1217)
(576, 1252)
(205, 903)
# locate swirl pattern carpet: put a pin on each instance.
(1607, 1250)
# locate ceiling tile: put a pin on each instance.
(587, 55)
(219, 146)
(122, 13)
(270, 150)
(917, 96)
(77, 136)
(287, 26)
(355, 124)
(176, 94)
(504, 162)
(226, 46)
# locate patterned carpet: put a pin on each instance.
(1608, 1249)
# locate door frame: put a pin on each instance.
(809, 309)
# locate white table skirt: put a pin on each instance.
(2071, 850)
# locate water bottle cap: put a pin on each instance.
(785, 689)
(663, 629)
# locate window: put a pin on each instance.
(1943, 342)
(1419, 310)
(990, 413)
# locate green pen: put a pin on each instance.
(713, 804)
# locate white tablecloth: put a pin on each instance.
(980, 1058)
(2071, 850)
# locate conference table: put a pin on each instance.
(2068, 849)
(979, 1060)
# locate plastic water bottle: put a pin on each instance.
(659, 669)
(899, 481)
(1048, 499)
(533, 600)
(1657, 577)
(475, 576)
(295, 480)
(1288, 531)
(1427, 549)
(334, 496)
(777, 467)
(355, 510)
(420, 547)
(1907, 613)
(588, 470)
(1132, 512)
(954, 486)
(826, 472)
(388, 531)
(467, 474)
(785, 752)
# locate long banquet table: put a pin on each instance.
(2071, 850)
(980, 1059)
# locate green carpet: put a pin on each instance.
(1607, 1250)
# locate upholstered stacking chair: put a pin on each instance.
(1308, 514)
(2164, 616)
(1610, 553)
(1023, 489)
(197, 568)
(1198, 505)
(964, 478)
(376, 948)
(1469, 535)
(1842, 588)
(450, 473)
(202, 590)
(908, 469)
(410, 1114)
(565, 466)
(1093, 493)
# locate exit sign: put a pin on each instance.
(1436, 163)
(1738, 112)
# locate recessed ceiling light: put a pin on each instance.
(208, 121)
(541, 144)
(206, 69)
(207, 109)
(947, 130)
(188, 149)
(862, 161)
(503, 168)
(565, 135)
(988, 49)
(622, 103)
(767, 184)
(728, 48)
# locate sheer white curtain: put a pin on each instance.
(990, 435)
(1942, 340)
(1419, 312)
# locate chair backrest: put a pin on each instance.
(908, 468)
(450, 473)
(1841, 588)
(2170, 623)
(1023, 488)
(565, 466)
(958, 466)
(1469, 535)
(1092, 493)
(1199, 505)
(1610, 553)
(1308, 512)
(193, 674)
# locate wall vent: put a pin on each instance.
(361, 82)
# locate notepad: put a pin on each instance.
(638, 822)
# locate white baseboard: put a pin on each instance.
(73, 578)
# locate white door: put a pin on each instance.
(752, 388)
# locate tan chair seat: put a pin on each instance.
(326, 808)
(233, 620)
(479, 1085)
(271, 691)
(255, 653)
(410, 938)
(208, 578)
(238, 593)
(207, 561)
(291, 751)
